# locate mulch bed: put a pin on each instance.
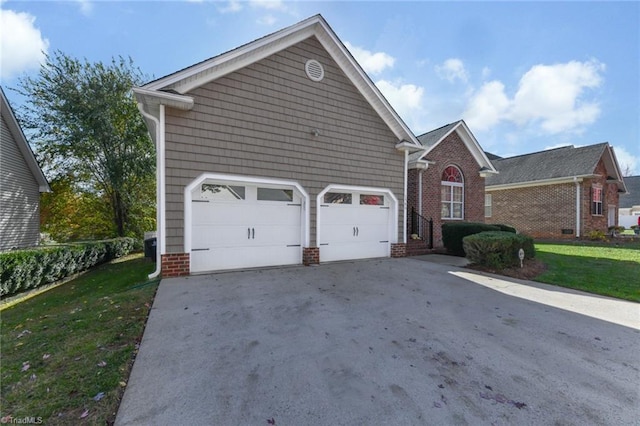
(531, 269)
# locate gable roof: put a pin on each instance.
(632, 197)
(555, 165)
(432, 139)
(180, 83)
(21, 141)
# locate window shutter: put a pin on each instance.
(593, 204)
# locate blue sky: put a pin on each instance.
(524, 76)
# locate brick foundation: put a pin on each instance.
(398, 250)
(175, 265)
(310, 256)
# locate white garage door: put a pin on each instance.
(237, 225)
(354, 225)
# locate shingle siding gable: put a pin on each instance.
(19, 196)
(258, 120)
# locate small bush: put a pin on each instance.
(454, 232)
(597, 236)
(497, 249)
(505, 228)
(28, 269)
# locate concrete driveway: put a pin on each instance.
(392, 341)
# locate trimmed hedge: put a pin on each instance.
(28, 269)
(454, 232)
(497, 249)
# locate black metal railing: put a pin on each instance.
(422, 227)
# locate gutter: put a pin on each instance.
(159, 191)
(406, 147)
(577, 182)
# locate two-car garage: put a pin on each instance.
(241, 222)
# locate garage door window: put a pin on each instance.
(337, 198)
(214, 192)
(372, 200)
(271, 194)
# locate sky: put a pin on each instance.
(525, 76)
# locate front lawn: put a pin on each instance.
(601, 269)
(67, 353)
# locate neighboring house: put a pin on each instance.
(446, 180)
(566, 192)
(21, 182)
(629, 210)
(281, 151)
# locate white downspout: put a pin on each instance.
(404, 198)
(420, 191)
(575, 179)
(156, 123)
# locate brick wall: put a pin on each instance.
(544, 211)
(538, 211)
(398, 250)
(451, 151)
(175, 265)
(310, 256)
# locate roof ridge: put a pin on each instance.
(537, 152)
(441, 127)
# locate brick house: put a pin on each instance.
(261, 152)
(566, 192)
(446, 182)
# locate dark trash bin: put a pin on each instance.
(150, 248)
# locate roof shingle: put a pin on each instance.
(561, 162)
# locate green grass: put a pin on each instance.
(78, 340)
(601, 269)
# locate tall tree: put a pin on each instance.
(84, 122)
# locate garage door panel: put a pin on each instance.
(275, 214)
(261, 228)
(209, 213)
(353, 250)
(354, 231)
(243, 257)
(208, 236)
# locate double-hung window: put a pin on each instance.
(596, 200)
(452, 193)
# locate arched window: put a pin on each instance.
(452, 191)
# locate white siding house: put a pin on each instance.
(21, 182)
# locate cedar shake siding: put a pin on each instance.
(19, 196)
(258, 121)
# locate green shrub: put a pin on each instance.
(497, 249)
(454, 232)
(597, 235)
(27, 269)
(505, 228)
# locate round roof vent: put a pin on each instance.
(314, 70)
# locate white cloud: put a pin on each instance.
(452, 69)
(551, 96)
(487, 107)
(406, 99)
(269, 5)
(486, 73)
(627, 161)
(267, 20)
(372, 63)
(22, 46)
(232, 6)
(86, 7)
